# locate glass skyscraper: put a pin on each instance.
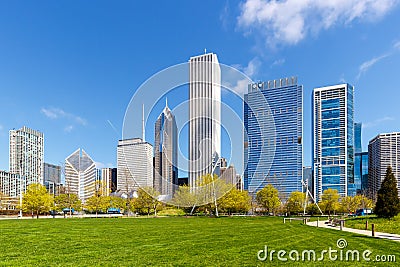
(273, 148)
(357, 137)
(333, 139)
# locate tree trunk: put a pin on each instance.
(37, 214)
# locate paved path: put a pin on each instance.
(324, 224)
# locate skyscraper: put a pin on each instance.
(204, 116)
(134, 164)
(357, 137)
(273, 119)
(52, 177)
(165, 153)
(384, 151)
(27, 156)
(333, 138)
(80, 175)
(106, 181)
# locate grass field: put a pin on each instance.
(178, 241)
(381, 225)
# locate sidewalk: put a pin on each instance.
(324, 224)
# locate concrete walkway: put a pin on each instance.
(325, 224)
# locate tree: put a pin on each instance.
(364, 202)
(350, 204)
(97, 204)
(147, 200)
(116, 202)
(313, 209)
(330, 200)
(268, 198)
(185, 198)
(235, 201)
(295, 203)
(388, 202)
(68, 201)
(37, 199)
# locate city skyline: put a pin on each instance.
(105, 58)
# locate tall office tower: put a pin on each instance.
(134, 164)
(204, 116)
(166, 153)
(361, 173)
(9, 184)
(357, 137)
(26, 156)
(273, 150)
(106, 181)
(80, 175)
(333, 139)
(384, 151)
(52, 177)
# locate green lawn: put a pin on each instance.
(381, 225)
(177, 241)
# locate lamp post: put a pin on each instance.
(20, 189)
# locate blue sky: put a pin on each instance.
(70, 68)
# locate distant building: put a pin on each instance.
(52, 178)
(183, 181)
(357, 137)
(361, 173)
(134, 164)
(230, 176)
(204, 116)
(333, 139)
(166, 153)
(9, 184)
(273, 119)
(384, 151)
(106, 181)
(308, 179)
(27, 156)
(80, 175)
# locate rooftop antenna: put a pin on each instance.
(143, 130)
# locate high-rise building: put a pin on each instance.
(204, 116)
(106, 181)
(273, 119)
(357, 137)
(80, 175)
(26, 156)
(383, 151)
(52, 177)
(134, 164)
(9, 184)
(166, 153)
(333, 139)
(360, 174)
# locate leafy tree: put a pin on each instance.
(97, 204)
(364, 202)
(295, 203)
(185, 198)
(68, 201)
(37, 199)
(330, 201)
(350, 204)
(116, 202)
(147, 200)
(312, 209)
(235, 201)
(268, 198)
(388, 202)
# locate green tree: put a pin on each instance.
(68, 201)
(97, 204)
(185, 198)
(235, 201)
(147, 200)
(116, 202)
(268, 198)
(364, 202)
(330, 201)
(350, 204)
(37, 199)
(313, 209)
(388, 202)
(295, 203)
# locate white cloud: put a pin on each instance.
(57, 113)
(68, 128)
(377, 122)
(239, 82)
(278, 62)
(290, 21)
(364, 67)
(397, 45)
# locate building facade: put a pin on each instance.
(273, 150)
(204, 116)
(383, 151)
(27, 156)
(166, 153)
(52, 178)
(106, 181)
(80, 175)
(357, 137)
(134, 164)
(333, 139)
(9, 184)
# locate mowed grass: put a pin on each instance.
(391, 226)
(179, 241)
